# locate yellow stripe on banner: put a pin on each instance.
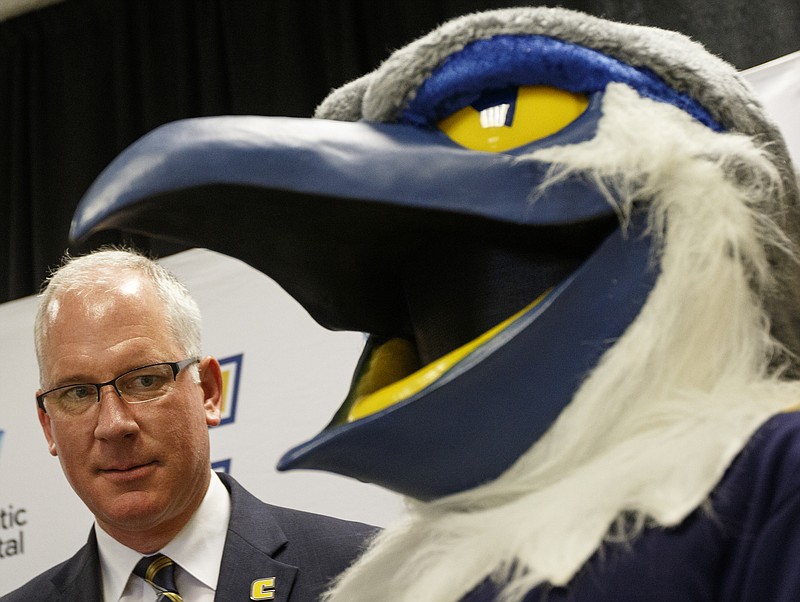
(226, 373)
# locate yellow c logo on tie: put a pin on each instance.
(263, 589)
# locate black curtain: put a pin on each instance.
(81, 80)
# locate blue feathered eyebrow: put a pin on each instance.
(518, 60)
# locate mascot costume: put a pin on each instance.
(573, 245)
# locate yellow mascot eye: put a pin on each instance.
(504, 120)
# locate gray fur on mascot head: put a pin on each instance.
(577, 438)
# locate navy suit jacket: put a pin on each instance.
(300, 550)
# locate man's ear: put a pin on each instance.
(44, 420)
(211, 383)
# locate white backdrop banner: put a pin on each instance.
(284, 375)
(777, 84)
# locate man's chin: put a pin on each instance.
(135, 511)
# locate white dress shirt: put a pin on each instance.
(197, 550)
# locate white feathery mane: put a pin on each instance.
(652, 429)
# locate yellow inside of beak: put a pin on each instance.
(384, 383)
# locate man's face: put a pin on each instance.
(141, 468)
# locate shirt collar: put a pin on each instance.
(197, 549)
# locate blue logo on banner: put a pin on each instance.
(222, 466)
(231, 371)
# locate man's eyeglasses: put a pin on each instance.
(134, 386)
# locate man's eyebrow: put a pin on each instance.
(77, 379)
(80, 378)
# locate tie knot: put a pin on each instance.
(159, 571)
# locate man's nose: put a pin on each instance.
(115, 418)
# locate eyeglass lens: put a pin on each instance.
(137, 386)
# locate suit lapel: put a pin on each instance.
(248, 568)
(79, 579)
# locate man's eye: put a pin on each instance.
(77, 393)
(144, 382)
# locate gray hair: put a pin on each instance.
(102, 268)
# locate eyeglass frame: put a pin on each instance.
(175, 366)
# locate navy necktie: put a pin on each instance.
(159, 571)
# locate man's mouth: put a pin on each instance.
(128, 471)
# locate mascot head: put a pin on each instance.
(572, 243)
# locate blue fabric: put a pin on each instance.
(747, 551)
(512, 60)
